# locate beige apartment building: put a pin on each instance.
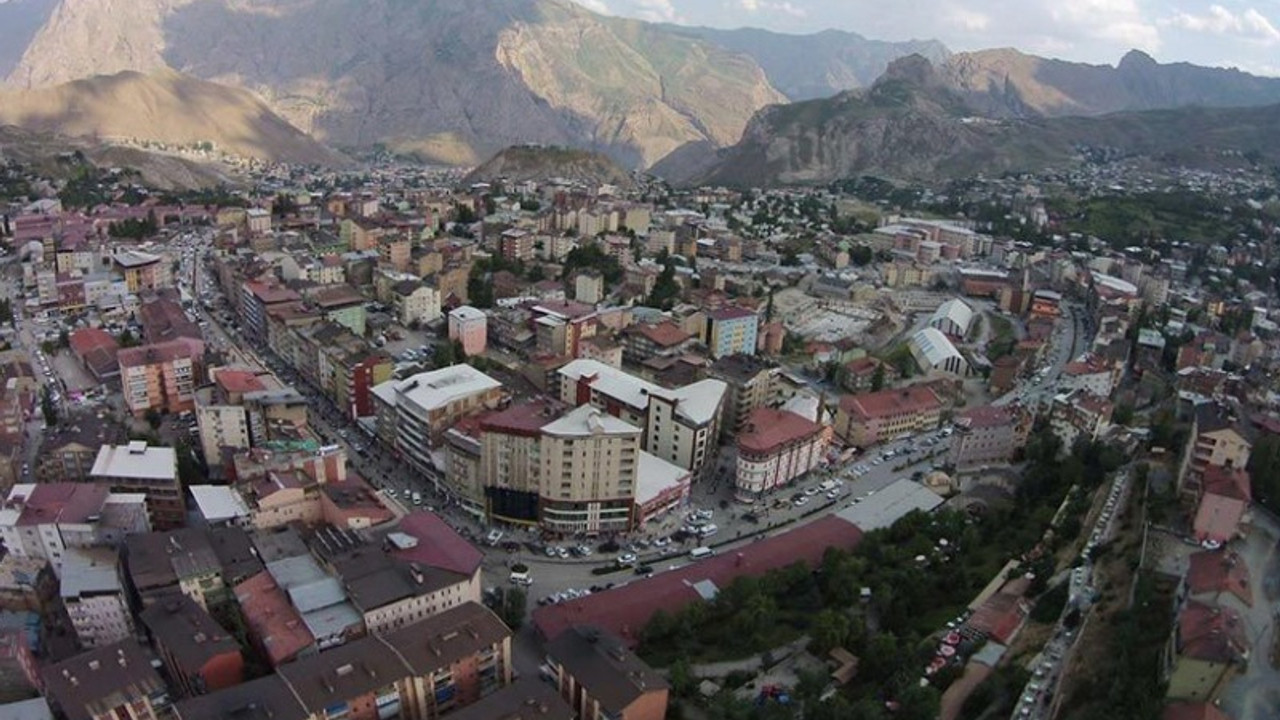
(161, 377)
(869, 418)
(680, 426)
(589, 463)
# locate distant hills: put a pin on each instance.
(53, 156)
(914, 124)
(454, 81)
(164, 107)
(526, 162)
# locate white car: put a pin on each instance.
(493, 537)
(627, 559)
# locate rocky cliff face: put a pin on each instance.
(915, 124)
(1008, 83)
(808, 67)
(451, 79)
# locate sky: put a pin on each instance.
(1225, 33)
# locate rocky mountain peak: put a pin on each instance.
(1136, 60)
(914, 70)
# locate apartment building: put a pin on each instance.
(680, 425)
(602, 679)
(256, 299)
(1079, 415)
(588, 287)
(647, 341)
(341, 304)
(220, 410)
(469, 326)
(750, 383)
(45, 521)
(113, 682)
(266, 698)
(870, 418)
(730, 331)
(525, 699)
(19, 670)
(1217, 441)
(150, 471)
(94, 597)
(201, 564)
(161, 377)
(774, 448)
(414, 413)
(588, 476)
(986, 435)
(142, 271)
(415, 302)
(199, 655)
(508, 480)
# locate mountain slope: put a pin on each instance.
(163, 107)
(806, 67)
(451, 79)
(47, 154)
(1008, 83)
(527, 162)
(912, 125)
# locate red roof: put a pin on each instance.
(274, 622)
(1217, 572)
(438, 544)
(1211, 633)
(1227, 482)
(1192, 711)
(160, 352)
(768, 429)
(664, 334)
(64, 503)
(525, 419)
(730, 312)
(240, 381)
(87, 339)
(1218, 517)
(886, 403)
(986, 416)
(625, 610)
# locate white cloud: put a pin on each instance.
(595, 6)
(656, 11)
(1218, 20)
(785, 8)
(970, 20)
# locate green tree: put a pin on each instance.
(513, 607)
(861, 255)
(666, 290)
(1264, 471)
(47, 407)
(153, 418)
(127, 339)
(877, 378)
(830, 630)
(443, 355)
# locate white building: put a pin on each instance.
(414, 413)
(680, 426)
(469, 326)
(953, 317)
(933, 351)
(415, 302)
(94, 598)
(46, 520)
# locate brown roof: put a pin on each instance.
(1211, 633)
(94, 683)
(1219, 571)
(525, 699)
(1192, 711)
(273, 620)
(62, 503)
(439, 545)
(160, 352)
(1227, 482)
(239, 381)
(886, 403)
(663, 334)
(87, 339)
(267, 698)
(445, 638)
(987, 416)
(343, 673)
(525, 419)
(768, 430)
(601, 663)
(192, 637)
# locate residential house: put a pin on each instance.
(775, 448)
(199, 655)
(604, 680)
(150, 471)
(161, 377)
(113, 682)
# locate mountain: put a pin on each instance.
(534, 162)
(452, 80)
(1008, 83)
(163, 107)
(52, 156)
(806, 67)
(913, 125)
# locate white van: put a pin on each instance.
(827, 485)
(700, 553)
